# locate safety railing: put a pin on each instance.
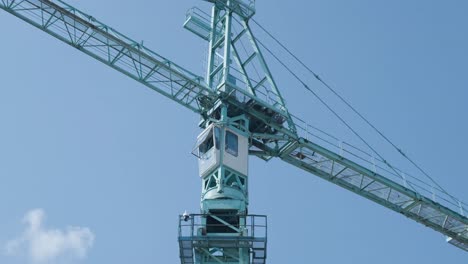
(377, 165)
(195, 225)
(202, 237)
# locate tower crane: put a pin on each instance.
(243, 114)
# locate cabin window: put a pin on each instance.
(217, 135)
(206, 145)
(232, 143)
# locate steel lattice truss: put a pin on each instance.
(162, 75)
(112, 48)
(349, 175)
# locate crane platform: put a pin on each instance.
(195, 236)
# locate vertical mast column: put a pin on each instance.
(223, 232)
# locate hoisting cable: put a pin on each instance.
(329, 108)
(399, 150)
(352, 108)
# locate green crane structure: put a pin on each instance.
(242, 114)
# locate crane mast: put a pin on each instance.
(224, 232)
(242, 114)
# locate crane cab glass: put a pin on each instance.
(209, 152)
(232, 143)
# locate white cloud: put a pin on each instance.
(44, 245)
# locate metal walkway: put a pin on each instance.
(194, 242)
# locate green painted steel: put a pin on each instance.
(259, 100)
(223, 235)
(110, 47)
(190, 238)
(367, 183)
(234, 56)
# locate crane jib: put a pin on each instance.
(114, 49)
(349, 175)
(180, 85)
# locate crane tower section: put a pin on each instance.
(224, 232)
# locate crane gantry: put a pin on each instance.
(242, 115)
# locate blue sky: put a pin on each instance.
(96, 150)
